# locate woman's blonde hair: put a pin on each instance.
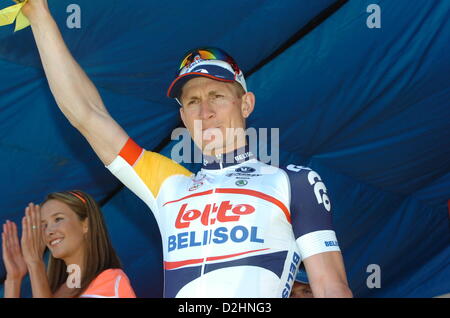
(99, 254)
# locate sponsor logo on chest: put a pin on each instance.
(212, 212)
(224, 213)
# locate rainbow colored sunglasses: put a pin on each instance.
(207, 54)
(213, 63)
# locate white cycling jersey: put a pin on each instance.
(238, 228)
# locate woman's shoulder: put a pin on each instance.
(111, 283)
(111, 273)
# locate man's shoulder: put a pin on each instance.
(296, 169)
(301, 176)
(296, 172)
(291, 170)
(161, 163)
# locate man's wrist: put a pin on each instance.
(38, 15)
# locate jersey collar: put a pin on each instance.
(229, 159)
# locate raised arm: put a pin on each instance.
(74, 92)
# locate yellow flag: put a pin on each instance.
(14, 13)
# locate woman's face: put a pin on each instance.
(64, 233)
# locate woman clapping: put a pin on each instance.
(83, 262)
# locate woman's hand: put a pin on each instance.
(33, 245)
(15, 265)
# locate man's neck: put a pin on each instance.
(229, 148)
(222, 160)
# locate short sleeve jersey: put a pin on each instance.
(111, 283)
(237, 228)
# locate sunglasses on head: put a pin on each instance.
(208, 54)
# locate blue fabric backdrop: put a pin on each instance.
(366, 108)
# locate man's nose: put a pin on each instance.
(206, 110)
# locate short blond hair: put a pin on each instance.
(240, 91)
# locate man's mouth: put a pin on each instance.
(211, 133)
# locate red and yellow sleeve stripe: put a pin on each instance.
(151, 167)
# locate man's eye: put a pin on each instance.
(58, 219)
(218, 96)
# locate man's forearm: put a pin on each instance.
(74, 92)
(333, 291)
(338, 293)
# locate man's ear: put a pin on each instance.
(248, 104)
(182, 116)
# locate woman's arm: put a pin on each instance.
(39, 280)
(15, 265)
(12, 288)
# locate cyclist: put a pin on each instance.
(235, 229)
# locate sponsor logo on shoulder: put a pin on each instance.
(296, 168)
(320, 190)
(331, 243)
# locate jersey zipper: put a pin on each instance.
(218, 179)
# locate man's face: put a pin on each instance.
(301, 290)
(214, 114)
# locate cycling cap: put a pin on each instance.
(213, 63)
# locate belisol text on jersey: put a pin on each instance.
(225, 212)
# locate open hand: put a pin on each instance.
(15, 265)
(33, 245)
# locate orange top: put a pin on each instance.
(111, 283)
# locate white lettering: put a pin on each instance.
(74, 278)
(195, 308)
(320, 190)
(74, 20)
(374, 20)
(374, 279)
